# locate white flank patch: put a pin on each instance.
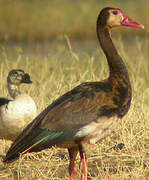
(98, 130)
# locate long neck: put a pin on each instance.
(13, 90)
(115, 62)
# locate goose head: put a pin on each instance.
(114, 17)
(15, 78)
(18, 76)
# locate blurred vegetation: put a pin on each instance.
(49, 19)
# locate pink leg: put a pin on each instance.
(83, 164)
(72, 168)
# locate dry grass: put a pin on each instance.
(61, 68)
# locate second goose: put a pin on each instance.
(15, 114)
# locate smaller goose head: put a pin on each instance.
(18, 76)
(114, 17)
(15, 78)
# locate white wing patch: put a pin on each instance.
(96, 131)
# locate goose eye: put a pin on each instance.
(115, 12)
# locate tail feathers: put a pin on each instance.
(35, 142)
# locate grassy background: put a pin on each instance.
(58, 65)
(62, 69)
(41, 20)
